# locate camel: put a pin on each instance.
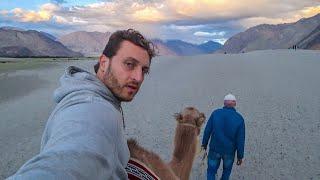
(189, 122)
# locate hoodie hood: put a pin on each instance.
(76, 79)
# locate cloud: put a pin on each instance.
(78, 21)
(310, 11)
(221, 9)
(4, 12)
(184, 28)
(177, 12)
(188, 13)
(45, 13)
(209, 34)
(221, 40)
(149, 14)
(58, 1)
(287, 17)
(194, 20)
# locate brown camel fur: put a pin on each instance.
(151, 160)
(189, 121)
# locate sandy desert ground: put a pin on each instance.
(277, 92)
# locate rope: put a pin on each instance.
(121, 110)
(203, 161)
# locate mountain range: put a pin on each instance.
(30, 43)
(312, 41)
(17, 42)
(303, 33)
(93, 43)
(87, 43)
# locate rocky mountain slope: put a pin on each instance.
(265, 36)
(31, 43)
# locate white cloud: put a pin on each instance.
(286, 17)
(221, 40)
(184, 28)
(4, 12)
(61, 19)
(45, 13)
(188, 12)
(209, 34)
(204, 19)
(77, 20)
(185, 15)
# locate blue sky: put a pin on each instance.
(35, 4)
(194, 21)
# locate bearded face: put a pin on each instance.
(124, 73)
(124, 90)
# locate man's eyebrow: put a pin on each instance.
(135, 61)
(132, 59)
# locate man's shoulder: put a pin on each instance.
(238, 113)
(87, 103)
(90, 111)
(85, 96)
(218, 110)
(232, 113)
(239, 116)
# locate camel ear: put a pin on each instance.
(201, 119)
(178, 117)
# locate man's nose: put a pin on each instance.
(138, 75)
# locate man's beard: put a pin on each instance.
(115, 87)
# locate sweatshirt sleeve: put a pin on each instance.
(207, 132)
(240, 140)
(80, 144)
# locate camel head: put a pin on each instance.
(190, 116)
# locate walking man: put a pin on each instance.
(226, 131)
(84, 137)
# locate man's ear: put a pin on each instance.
(104, 62)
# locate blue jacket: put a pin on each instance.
(227, 131)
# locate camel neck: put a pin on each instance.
(185, 139)
(184, 150)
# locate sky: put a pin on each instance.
(194, 21)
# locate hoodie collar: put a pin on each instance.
(77, 79)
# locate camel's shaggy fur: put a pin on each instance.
(189, 121)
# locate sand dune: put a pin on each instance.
(277, 91)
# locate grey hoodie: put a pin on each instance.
(83, 138)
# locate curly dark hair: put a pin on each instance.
(131, 35)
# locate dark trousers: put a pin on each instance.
(214, 160)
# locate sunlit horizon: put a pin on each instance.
(191, 21)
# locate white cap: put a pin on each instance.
(230, 97)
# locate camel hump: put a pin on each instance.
(132, 143)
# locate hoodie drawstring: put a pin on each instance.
(124, 126)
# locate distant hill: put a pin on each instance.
(312, 41)
(88, 43)
(210, 46)
(30, 43)
(12, 28)
(266, 36)
(49, 35)
(162, 48)
(183, 48)
(93, 43)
